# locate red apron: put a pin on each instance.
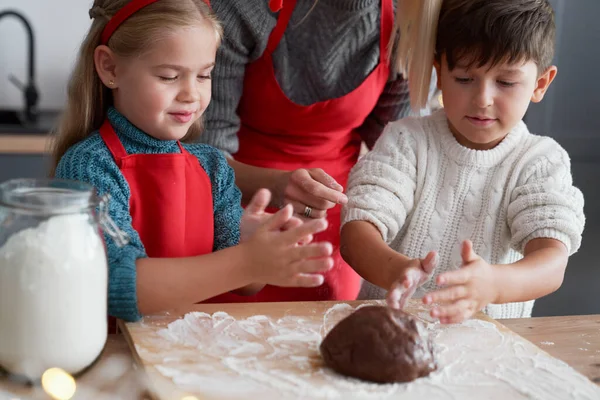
(277, 133)
(171, 202)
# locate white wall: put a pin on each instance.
(59, 27)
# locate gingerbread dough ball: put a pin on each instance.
(379, 344)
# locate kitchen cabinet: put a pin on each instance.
(23, 166)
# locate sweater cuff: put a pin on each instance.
(226, 154)
(122, 292)
(548, 233)
(357, 214)
(509, 310)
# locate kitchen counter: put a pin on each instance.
(28, 138)
(572, 339)
(25, 143)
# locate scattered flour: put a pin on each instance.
(53, 288)
(217, 356)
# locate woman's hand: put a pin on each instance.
(311, 192)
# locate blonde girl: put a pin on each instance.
(139, 89)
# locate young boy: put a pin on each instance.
(466, 206)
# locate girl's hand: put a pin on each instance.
(467, 291)
(277, 257)
(255, 215)
(413, 276)
(311, 188)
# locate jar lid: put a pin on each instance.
(48, 196)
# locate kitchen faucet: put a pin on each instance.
(29, 90)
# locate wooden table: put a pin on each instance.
(25, 144)
(573, 339)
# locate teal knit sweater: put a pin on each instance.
(90, 161)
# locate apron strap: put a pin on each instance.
(386, 24)
(282, 23)
(112, 141)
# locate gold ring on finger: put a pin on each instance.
(307, 211)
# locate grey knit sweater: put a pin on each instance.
(325, 53)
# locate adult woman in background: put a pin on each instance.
(297, 87)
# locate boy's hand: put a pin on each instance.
(467, 291)
(414, 275)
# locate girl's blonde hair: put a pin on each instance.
(87, 98)
(412, 46)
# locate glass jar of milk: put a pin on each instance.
(53, 275)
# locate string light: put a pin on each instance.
(58, 384)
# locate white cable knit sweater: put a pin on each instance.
(424, 191)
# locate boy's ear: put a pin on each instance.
(542, 84)
(438, 73)
(105, 63)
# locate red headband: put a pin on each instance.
(127, 11)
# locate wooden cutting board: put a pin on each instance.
(234, 351)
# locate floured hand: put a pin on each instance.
(417, 273)
(466, 290)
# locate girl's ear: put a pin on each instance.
(105, 62)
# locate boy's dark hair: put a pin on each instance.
(478, 32)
